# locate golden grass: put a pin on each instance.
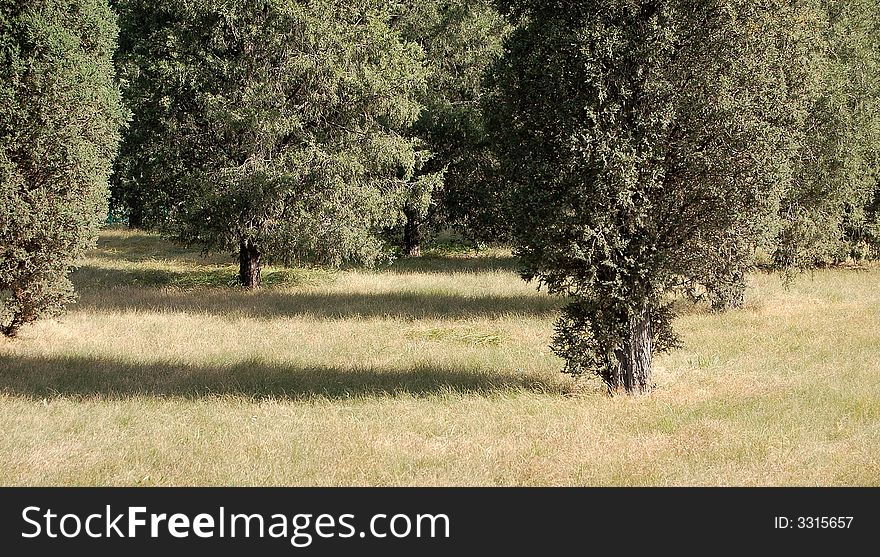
(434, 371)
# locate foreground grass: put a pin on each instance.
(434, 371)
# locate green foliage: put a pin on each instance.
(826, 212)
(460, 39)
(274, 125)
(823, 214)
(59, 121)
(635, 138)
(867, 236)
(723, 258)
(140, 190)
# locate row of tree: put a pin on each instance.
(296, 132)
(628, 148)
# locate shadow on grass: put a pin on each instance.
(444, 264)
(89, 377)
(138, 246)
(326, 305)
(685, 306)
(90, 277)
(138, 295)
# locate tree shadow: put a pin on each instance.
(138, 246)
(274, 303)
(445, 264)
(42, 377)
(88, 277)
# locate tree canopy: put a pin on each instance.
(635, 136)
(633, 149)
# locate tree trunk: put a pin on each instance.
(412, 234)
(135, 218)
(250, 265)
(11, 330)
(728, 292)
(634, 359)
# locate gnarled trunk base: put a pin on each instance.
(632, 375)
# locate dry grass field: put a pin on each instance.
(433, 371)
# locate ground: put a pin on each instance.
(433, 371)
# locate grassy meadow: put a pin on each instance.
(433, 371)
